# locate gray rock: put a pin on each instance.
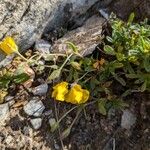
(128, 119)
(40, 90)
(4, 113)
(42, 46)
(34, 108)
(27, 19)
(36, 123)
(26, 130)
(6, 61)
(86, 38)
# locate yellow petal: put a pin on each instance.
(59, 91)
(77, 95)
(86, 95)
(8, 45)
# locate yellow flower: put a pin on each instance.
(59, 91)
(77, 95)
(8, 45)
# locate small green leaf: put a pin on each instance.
(119, 79)
(119, 104)
(4, 82)
(131, 17)
(126, 93)
(144, 85)
(117, 65)
(20, 78)
(66, 133)
(76, 65)
(101, 106)
(109, 50)
(55, 74)
(54, 126)
(109, 39)
(72, 46)
(147, 64)
(132, 76)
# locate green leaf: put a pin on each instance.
(132, 76)
(144, 85)
(147, 64)
(131, 17)
(72, 46)
(119, 104)
(66, 133)
(109, 39)
(126, 93)
(119, 79)
(55, 74)
(109, 50)
(101, 106)
(117, 65)
(4, 82)
(20, 78)
(76, 65)
(54, 126)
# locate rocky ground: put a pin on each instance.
(26, 116)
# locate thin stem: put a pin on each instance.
(58, 128)
(56, 54)
(66, 114)
(65, 61)
(78, 112)
(82, 77)
(21, 56)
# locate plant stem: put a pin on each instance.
(65, 61)
(67, 113)
(21, 56)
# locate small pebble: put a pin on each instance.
(34, 108)
(40, 90)
(9, 140)
(26, 130)
(128, 119)
(36, 123)
(12, 102)
(56, 146)
(48, 113)
(9, 98)
(4, 113)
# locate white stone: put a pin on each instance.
(4, 113)
(128, 119)
(34, 108)
(40, 90)
(36, 123)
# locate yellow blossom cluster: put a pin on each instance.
(76, 95)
